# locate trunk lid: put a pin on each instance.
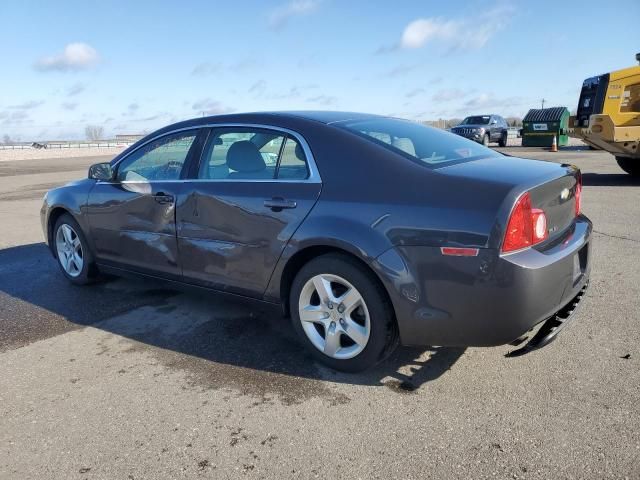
(557, 199)
(552, 186)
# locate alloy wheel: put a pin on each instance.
(69, 248)
(334, 316)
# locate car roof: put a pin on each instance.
(288, 119)
(322, 116)
(326, 116)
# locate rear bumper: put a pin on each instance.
(486, 300)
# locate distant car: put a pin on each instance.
(484, 129)
(367, 230)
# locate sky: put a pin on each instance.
(134, 66)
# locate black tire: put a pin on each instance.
(383, 336)
(89, 271)
(629, 165)
(503, 139)
(486, 140)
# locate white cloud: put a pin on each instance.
(75, 89)
(414, 93)
(279, 17)
(152, 117)
(210, 68)
(323, 100)
(258, 87)
(399, 71)
(488, 101)
(206, 68)
(469, 33)
(211, 107)
(27, 105)
(421, 31)
(131, 110)
(14, 118)
(69, 105)
(447, 95)
(75, 56)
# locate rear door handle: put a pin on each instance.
(163, 198)
(277, 204)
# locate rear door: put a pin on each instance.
(253, 188)
(132, 218)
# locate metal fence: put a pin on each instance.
(59, 145)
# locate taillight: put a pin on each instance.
(578, 194)
(526, 227)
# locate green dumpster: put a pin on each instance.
(539, 127)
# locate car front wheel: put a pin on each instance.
(71, 249)
(342, 313)
(485, 140)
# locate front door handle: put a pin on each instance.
(277, 204)
(163, 198)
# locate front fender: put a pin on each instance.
(71, 198)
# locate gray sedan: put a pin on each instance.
(368, 231)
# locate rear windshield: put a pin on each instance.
(477, 120)
(431, 146)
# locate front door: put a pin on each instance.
(132, 218)
(255, 186)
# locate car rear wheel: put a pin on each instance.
(71, 249)
(629, 165)
(485, 140)
(342, 313)
(503, 140)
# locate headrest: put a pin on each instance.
(245, 157)
(404, 144)
(299, 152)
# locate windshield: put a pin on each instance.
(431, 146)
(477, 120)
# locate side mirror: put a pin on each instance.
(101, 171)
(493, 122)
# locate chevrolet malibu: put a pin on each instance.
(369, 231)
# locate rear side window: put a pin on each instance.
(293, 161)
(252, 154)
(430, 146)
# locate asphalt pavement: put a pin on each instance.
(132, 380)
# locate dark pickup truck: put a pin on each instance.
(483, 129)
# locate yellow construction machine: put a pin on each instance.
(608, 116)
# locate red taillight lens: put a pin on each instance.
(527, 226)
(578, 194)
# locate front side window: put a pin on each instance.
(159, 160)
(252, 154)
(430, 146)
